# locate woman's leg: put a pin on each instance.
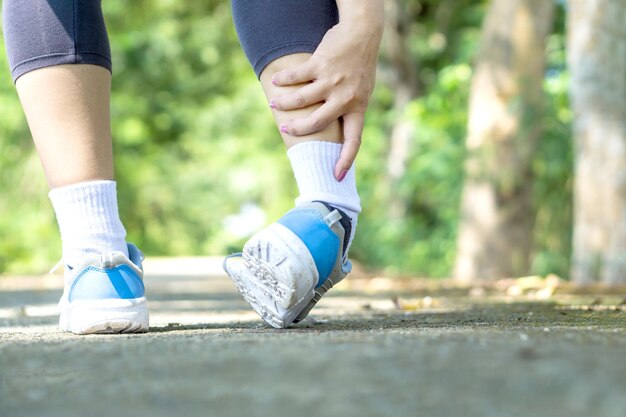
(292, 263)
(280, 34)
(60, 60)
(67, 108)
(332, 133)
(314, 160)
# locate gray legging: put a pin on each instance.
(43, 33)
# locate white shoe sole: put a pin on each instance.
(105, 316)
(279, 277)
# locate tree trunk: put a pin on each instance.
(404, 84)
(597, 62)
(495, 228)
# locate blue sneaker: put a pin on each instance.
(287, 267)
(105, 294)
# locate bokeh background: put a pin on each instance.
(200, 164)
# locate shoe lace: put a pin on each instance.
(56, 266)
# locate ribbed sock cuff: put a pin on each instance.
(88, 218)
(313, 166)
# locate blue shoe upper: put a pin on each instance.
(320, 240)
(117, 282)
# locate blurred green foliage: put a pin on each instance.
(197, 150)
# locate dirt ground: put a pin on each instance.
(376, 347)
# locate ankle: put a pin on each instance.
(88, 219)
(313, 166)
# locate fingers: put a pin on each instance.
(352, 130)
(316, 121)
(299, 74)
(306, 96)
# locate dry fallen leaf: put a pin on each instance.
(417, 304)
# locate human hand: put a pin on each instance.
(341, 75)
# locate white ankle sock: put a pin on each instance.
(313, 165)
(88, 219)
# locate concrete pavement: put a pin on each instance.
(377, 347)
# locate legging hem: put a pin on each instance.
(59, 59)
(280, 51)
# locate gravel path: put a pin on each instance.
(377, 348)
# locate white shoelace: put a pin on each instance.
(56, 266)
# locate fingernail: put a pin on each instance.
(272, 104)
(274, 81)
(283, 129)
(342, 175)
